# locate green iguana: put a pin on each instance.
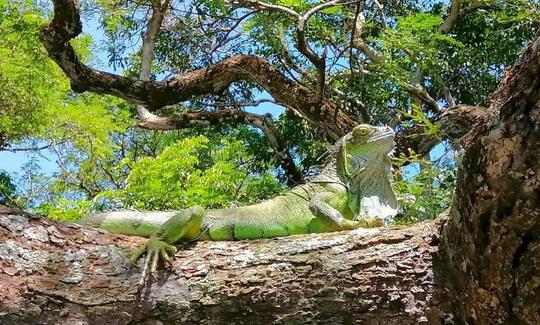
(353, 190)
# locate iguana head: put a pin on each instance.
(364, 144)
(363, 164)
(381, 138)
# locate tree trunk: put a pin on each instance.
(61, 273)
(491, 245)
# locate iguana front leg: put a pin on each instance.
(321, 207)
(184, 225)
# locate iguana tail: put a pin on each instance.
(134, 223)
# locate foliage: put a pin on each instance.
(309, 148)
(194, 171)
(104, 161)
(25, 72)
(7, 189)
(427, 192)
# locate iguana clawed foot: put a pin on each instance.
(351, 224)
(155, 250)
(363, 223)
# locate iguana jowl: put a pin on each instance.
(353, 190)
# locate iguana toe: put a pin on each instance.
(155, 250)
(351, 224)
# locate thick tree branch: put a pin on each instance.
(230, 116)
(452, 18)
(210, 80)
(491, 244)
(63, 274)
(455, 123)
(237, 104)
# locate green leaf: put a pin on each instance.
(332, 10)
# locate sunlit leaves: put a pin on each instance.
(332, 10)
(419, 118)
(297, 4)
(414, 44)
(7, 189)
(194, 171)
(427, 193)
(29, 80)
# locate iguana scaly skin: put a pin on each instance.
(353, 190)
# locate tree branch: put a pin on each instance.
(414, 88)
(57, 273)
(259, 5)
(210, 80)
(238, 104)
(149, 41)
(452, 18)
(380, 9)
(301, 22)
(490, 247)
(455, 123)
(358, 42)
(421, 93)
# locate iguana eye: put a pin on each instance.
(361, 131)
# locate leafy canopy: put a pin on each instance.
(105, 161)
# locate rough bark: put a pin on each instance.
(491, 244)
(213, 79)
(62, 273)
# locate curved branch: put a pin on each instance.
(259, 5)
(452, 19)
(421, 93)
(455, 124)
(149, 42)
(213, 79)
